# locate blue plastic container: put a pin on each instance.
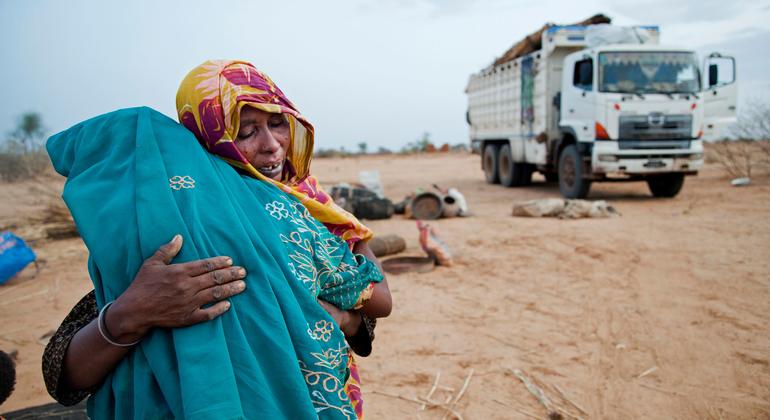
(14, 255)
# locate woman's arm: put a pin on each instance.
(380, 304)
(358, 325)
(161, 295)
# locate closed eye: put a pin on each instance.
(246, 134)
(277, 121)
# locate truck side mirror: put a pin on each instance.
(721, 70)
(713, 75)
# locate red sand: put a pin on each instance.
(679, 285)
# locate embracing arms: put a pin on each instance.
(78, 358)
(161, 295)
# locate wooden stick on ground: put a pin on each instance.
(415, 400)
(647, 372)
(460, 394)
(520, 410)
(432, 389)
(538, 394)
(572, 403)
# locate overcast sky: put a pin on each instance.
(375, 71)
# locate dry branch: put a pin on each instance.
(432, 389)
(647, 372)
(534, 390)
(572, 403)
(460, 393)
(417, 401)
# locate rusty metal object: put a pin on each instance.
(427, 206)
(399, 265)
(387, 245)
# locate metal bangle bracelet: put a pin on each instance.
(105, 333)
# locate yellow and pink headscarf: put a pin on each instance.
(209, 103)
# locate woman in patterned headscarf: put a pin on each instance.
(210, 103)
(239, 115)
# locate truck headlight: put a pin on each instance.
(608, 158)
(696, 156)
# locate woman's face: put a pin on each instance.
(262, 139)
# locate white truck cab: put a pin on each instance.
(607, 112)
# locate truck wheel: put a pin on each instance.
(506, 168)
(666, 185)
(571, 182)
(513, 174)
(489, 161)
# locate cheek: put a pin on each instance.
(284, 139)
(245, 148)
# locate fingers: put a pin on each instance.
(167, 251)
(207, 314)
(198, 267)
(220, 277)
(220, 292)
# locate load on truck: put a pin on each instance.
(594, 102)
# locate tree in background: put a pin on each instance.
(420, 145)
(362, 148)
(29, 132)
(21, 154)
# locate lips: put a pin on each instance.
(271, 170)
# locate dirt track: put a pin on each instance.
(661, 313)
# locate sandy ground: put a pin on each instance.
(661, 313)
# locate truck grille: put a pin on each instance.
(655, 126)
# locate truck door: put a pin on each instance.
(720, 95)
(578, 98)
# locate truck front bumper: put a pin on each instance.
(609, 158)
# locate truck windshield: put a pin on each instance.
(648, 72)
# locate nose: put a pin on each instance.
(268, 144)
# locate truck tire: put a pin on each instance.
(666, 185)
(571, 181)
(513, 174)
(489, 162)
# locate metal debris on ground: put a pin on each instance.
(429, 205)
(387, 245)
(361, 201)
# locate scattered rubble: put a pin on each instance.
(564, 209)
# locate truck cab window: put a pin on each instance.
(583, 77)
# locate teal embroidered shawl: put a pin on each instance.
(135, 178)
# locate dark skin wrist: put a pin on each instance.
(348, 321)
(352, 323)
(123, 325)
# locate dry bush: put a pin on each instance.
(17, 164)
(753, 122)
(740, 158)
(749, 153)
